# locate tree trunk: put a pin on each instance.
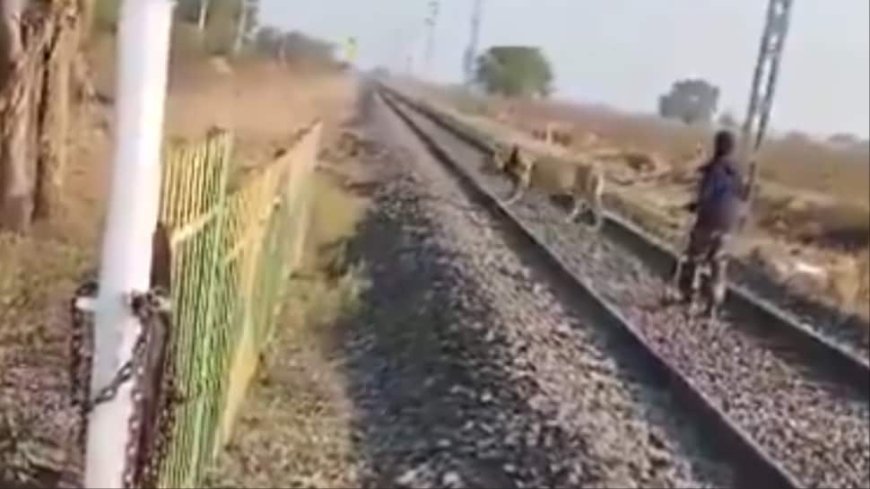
(86, 18)
(40, 44)
(203, 14)
(15, 98)
(53, 110)
(241, 26)
(82, 83)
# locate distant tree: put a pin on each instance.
(691, 101)
(267, 39)
(225, 24)
(728, 121)
(380, 72)
(514, 71)
(190, 11)
(247, 23)
(844, 140)
(293, 46)
(105, 14)
(797, 137)
(296, 46)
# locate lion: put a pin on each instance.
(582, 180)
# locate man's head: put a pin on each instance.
(723, 143)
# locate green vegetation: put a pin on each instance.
(692, 101)
(219, 20)
(515, 71)
(292, 46)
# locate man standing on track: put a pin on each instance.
(717, 209)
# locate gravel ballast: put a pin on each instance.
(466, 370)
(816, 428)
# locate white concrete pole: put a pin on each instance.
(143, 49)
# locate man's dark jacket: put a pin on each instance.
(720, 194)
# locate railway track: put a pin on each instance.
(843, 364)
(786, 425)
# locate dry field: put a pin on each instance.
(262, 102)
(812, 212)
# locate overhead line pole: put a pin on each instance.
(431, 22)
(763, 87)
(473, 41)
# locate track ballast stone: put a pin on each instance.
(817, 429)
(466, 371)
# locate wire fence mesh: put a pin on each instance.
(232, 252)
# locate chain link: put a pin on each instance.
(81, 346)
(158, 395)
(150, 368)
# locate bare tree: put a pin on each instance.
(241, 27)
(40, 40)
(203, 14)
(15, 174)
(53, 112)
(246, 23)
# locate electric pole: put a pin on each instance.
(431, 21)
(471, 51)
(764, 84)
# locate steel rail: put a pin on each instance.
(753, 464)
(843, 366)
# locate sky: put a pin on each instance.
(625, 53)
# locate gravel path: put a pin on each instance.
(818, 430)
(466, 371)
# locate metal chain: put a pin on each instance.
(158, 395)
(81, 356)
(124, 374)
(150, 368)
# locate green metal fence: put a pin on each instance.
(232, 253)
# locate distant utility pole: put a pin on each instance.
(430, 22)
(474, 39)
(764, 83)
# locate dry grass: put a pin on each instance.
(790, 162)
(295, 430)
(35, 420)
(263, 103)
